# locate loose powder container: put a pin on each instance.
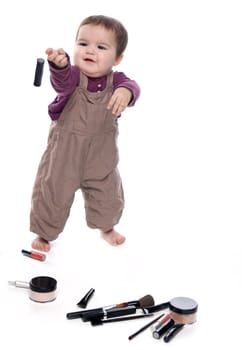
(183, 310)
(42, 289)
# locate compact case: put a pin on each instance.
(183, 310)
(42, 289)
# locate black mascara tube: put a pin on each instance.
(172, 332)
(39, 71)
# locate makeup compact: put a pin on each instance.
(183, 310)
(42, 289)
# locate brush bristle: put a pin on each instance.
(146, 301)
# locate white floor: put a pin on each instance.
(180, 160)
(164, 261)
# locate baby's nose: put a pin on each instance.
(90, 49)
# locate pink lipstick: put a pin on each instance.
(34, 255)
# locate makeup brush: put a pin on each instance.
(145, 326)
(98, 322)
(111, 313)
(142, 303)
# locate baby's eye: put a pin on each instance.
(82, 44)
(101, 47)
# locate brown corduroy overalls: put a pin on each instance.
(81, 154)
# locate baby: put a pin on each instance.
(82, 148)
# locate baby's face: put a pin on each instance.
(95, 50)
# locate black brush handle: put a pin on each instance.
(114, 312)
(97, 322)
(80, 314)
(158, 307)
(145, 326)
(128, 318)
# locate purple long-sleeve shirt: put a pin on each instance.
(65, 80)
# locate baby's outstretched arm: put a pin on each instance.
(58, 57)
(119, 100)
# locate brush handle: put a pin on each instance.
(80, 314)
(20, 284)
(97, 322)
(146, 326)
(158, 307)
(114, 312)
(100, 311)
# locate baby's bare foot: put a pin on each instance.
(40, 244)
(113, 237)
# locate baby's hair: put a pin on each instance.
(109, 23)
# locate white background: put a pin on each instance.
(180, 151)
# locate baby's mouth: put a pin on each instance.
(89, 60)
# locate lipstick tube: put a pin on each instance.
(34, 255)
(160, 322)
(159, 332)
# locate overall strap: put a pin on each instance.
(110, 80)
(83, 81)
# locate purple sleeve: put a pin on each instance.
(64, 80)
(56, 107)
(120, 79)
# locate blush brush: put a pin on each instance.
(143, 302)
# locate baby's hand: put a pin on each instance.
(58, 57)
(119, 100)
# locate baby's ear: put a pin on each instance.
(118, 60)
